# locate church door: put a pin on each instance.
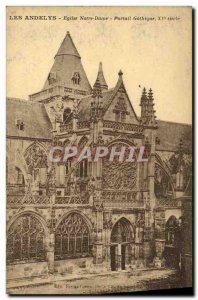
(173, 243)
(122, 235)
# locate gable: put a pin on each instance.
(120, 108)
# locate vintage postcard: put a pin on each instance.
(99, 149)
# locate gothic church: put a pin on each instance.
(71, 217)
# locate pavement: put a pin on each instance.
(107, 282)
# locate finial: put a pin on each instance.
(144, 91)
(100, 67)
(120, 73)
(68, 32)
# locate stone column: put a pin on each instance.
(159, 248)
(50, 252)
(98, 252)
(119, 256)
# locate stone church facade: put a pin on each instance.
(70, 217)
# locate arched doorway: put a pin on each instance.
(122, 237)
(72, 238)
(172, 242)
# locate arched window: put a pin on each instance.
(171, 230)
(51, 77)
(72, 237)
(76, 78)
(163, 183)
(66, 115)
(25, 240)
(122, 232)
(19, 178)
(83, 165)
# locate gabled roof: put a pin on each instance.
(170, 134)
(34, 116)
(67, 62)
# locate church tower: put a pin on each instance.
(65, 85)
(67, 78)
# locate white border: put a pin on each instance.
(3, 4)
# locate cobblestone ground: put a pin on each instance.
(113, 283)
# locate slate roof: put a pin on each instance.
(34, 116)
(67, 47)
(37, 123)
(66, 62)
(170, 134)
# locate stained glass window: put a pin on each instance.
(72, 237)
(25, 241)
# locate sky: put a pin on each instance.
(154, 54)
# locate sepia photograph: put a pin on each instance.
(99, 195)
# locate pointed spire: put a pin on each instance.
(147, 111)
(144, 98)
(120, 73)
(67, 47)
(100, 80)
(67, 70)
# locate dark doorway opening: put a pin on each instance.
(123, 256)
(113, 257)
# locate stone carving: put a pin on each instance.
(98, 201)
(120, 109)
(52, 221)
(35, 158)
(91, 185)
(107, 220)
(122, 126)
(120, 176)
(57, 109)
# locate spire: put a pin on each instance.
(119, 84)
(147, 111)
(120, 73)
(67, 47)
(100, 80)
(144, 98)
(67, 70)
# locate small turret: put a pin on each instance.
(147, 108)
(100, 80)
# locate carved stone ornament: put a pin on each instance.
(118, 175)
(35, 158)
